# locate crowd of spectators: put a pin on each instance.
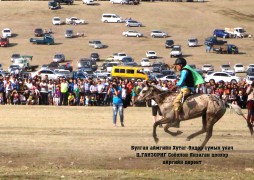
(94, 92)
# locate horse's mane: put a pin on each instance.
(162, 94)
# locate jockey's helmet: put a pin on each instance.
(180, 61)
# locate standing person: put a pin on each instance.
(116, 90)
(250, 103)
(189, 78)
(44, 92)
(64, 92)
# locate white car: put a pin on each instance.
(145, 62)
(207, 67)
(193, 42)
(151, 54)
(133, 23)
(169, 78)
(110, 66)
(74, 20)
(6, 32)
(239, 67)
(88, 2)
(119, 56)
(56, 21)
(218, 76)
(118, 1)
(176, 51)
(132, 33)
(158, 33)
(225, 67)
(43, 72)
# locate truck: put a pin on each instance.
(237, 32)
(24, 63)
(47, 39)
(214, 41)
(225, 48)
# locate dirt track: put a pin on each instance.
(74, 142)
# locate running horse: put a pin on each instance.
(210, 107)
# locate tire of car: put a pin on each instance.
(118, 21)
(164, 36)
(106, 21)
(139, 25)
(137, 35)
(153, 36)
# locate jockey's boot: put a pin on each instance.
(176, 123)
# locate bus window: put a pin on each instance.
(130, 71)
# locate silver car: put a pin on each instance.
(59, 58)
(193, 42)
(132, 23)
(69, 33)
(160, 34)
(132, 33)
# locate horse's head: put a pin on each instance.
(147, 93)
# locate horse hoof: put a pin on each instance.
(188, 139)
(156, 140)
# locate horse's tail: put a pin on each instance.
(237, 109)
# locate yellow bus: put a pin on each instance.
(128, 72)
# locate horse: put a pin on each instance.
(209, 106)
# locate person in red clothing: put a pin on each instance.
(250, 103)
(129, 86)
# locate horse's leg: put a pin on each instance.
(209, 133)
(168, 125)
(161, 121)
(203, 130)
(250, 126)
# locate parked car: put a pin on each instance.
(158, 67)
(168, 78)
(96, 44)
(111, 65)
(193, 42)
(239, 68)
(207, 67)
(220, 33)
(4, 41)
(169, 43)
(111, 18)
(104, 66)
(225, 67)
(47, 39)
(145, 62)
(218, 76)
(43, 72)
(56, 21)
(119, 56)
(15, 56)
(133, 23)
(74, 20)
(63, 73)
(151, 54)
(6, 32)
(52, 4)
(127, 59)
(118, 1)
(87, 65)
(95, 56)
(38, 32)
(176, 51)
(88, 2)
(69, 33)
(158, 33)
(132, 33)
(250, 66)
(59, 58)
(225, 48)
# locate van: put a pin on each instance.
(127, 72)
(114, 18)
